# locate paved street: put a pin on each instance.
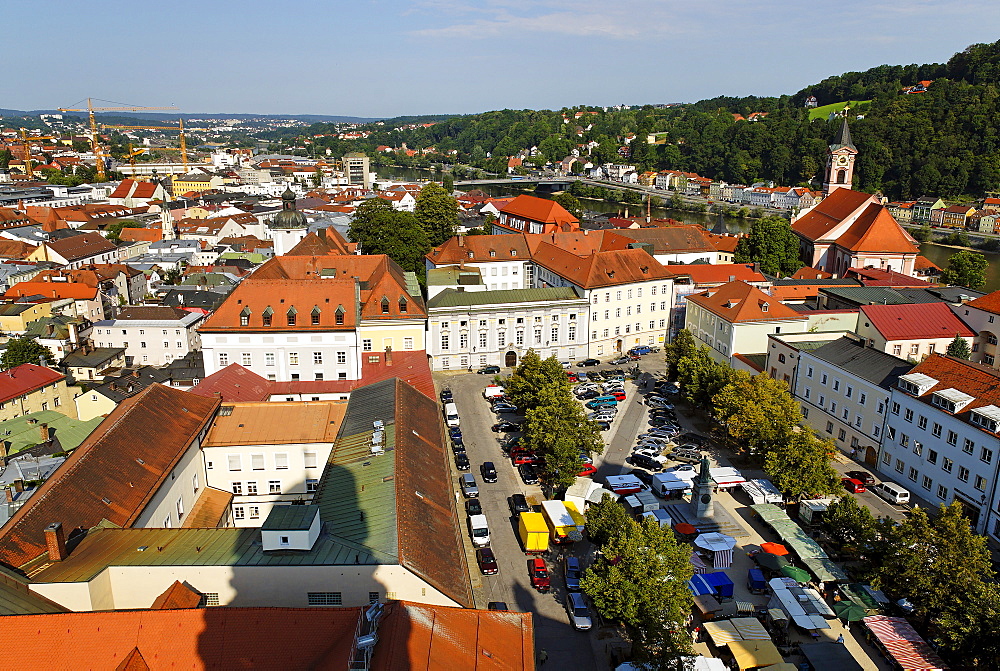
(553, 633)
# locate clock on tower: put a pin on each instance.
(840, 162)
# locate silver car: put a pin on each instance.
(579, 613)
(469, 487)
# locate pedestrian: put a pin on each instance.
(840, 639)
(543, 657)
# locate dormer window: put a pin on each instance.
(951, 400)
(290, 315)
(267, 315)
(402, 305)
(513, 252)
(385, 306)
(314, 316)
(764, 306)
(471, 255)
(245, 317)
(493, 252)
(339, 315)
(987, 417)
(916, 384)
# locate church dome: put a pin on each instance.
(289, 217)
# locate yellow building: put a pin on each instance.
(15, 317)
(30, 388)
(181, 184)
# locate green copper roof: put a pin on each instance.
(23, 432)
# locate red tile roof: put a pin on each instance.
(178, 595)
(808, 273)
(876, 230)
(601, 269)
(300, 297)
(80, 246)
(141, 234)
(915, 321)
(877, 277)
(57, 290)
(24, 379)
(740, 302)
(114, 473)
(988, 303)
(977, 380)
(192, 638)
(820, 220)
(672, 239)
(541, 210)
(718, 273)
(234, 383)
(324, 242)
(478, 248)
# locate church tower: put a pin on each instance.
(840, 162)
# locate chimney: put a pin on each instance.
(388, 356)
(55, 541)
(18, 485)
(756, 267)
(9, 493)
(461, 241)
(45, 433)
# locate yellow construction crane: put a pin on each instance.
(184, 155)
(26, 141)
(132, 153)
(94, 138)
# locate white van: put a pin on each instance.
(479, 530)
(451, 414)
(892, 493)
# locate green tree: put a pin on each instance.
(448, 183)
(801, 468)
(772, 244)
(937, 562)
(558, 429)
(683, 345)
(5, 156)
(380, 229)
(113, 230)
(605, 519)
(758, 412)
(701, 377)
(570, 203)
(317, 178)
(639, 580)
(959, 347)
(852, 524)
(923, 234)
(25, 350)
(966, 269)
(437, 212)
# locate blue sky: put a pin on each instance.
(392, 57)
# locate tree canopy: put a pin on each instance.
(959, 347)
(437, 212)
(772, 244)
(380, 229)
(966, 269)
(25, 350)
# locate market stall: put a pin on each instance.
(901, 643)
(719, 546)
(718, 584)
(755, 654)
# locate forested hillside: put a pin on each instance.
(945, 141)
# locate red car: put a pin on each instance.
(854, 486)
(539, 574)
(619, 395)
(523, 457)
(586, 470)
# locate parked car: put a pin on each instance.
(518, 504)
(529, 475)
(686, 455)
(446, 395)
(455, 431)
(644, 476)
(487, 561)
(539, 574)
(579, 613)
(854, 486)
(864, 477)
(488, 471)
(652, 452)
(586, 470)
(619, 360)
(588, 394)
(458, 446)
(489, 370)
(642, 461)
(469, 487)
(588, 362)
(661, 421)
(597, 404)
(604, 425)
(572, 573)
(473, 507)
(462, 461)
(617, 393)
(506, 427)
(641, 349)
(693, 438)
(565, 364)
(519, 457)
(683, 468)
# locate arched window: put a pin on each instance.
(841, 177)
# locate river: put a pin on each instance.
(936, 253)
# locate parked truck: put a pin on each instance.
(534, 532)
(562, 526)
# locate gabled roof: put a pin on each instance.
(868, 363)
(740, 302)
(478, 248)
(115, 472)
(234, 383)
(718, 273)
(817, 223)
(977, 380)
(24, 379)
(915, 321)
(80, 246)
(141, 234)
(988, 303)
(178, 595)
(280, 298)
(452, 298)
(807, 273)
(672, 239)
(324, 242)
(541, 210)
(876, 230)
(152, 313)
(878, 277)
(601, 269)
(57, 290)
